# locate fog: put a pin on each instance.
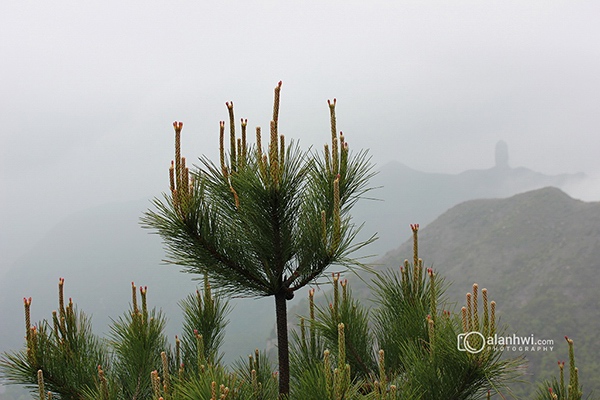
(89, 91)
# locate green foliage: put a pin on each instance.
(560, 389)
(66, 350)
(332, 353)
(212, 383)
(137, 341)
(419, 357)
(358, 339)
(259, 373)
(440, 371)
(137, 364)
(329, 378)
(405, 300)
(68, 360)
(306, 351)
(203, 329)
(404, 304)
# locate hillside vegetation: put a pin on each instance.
(539, 252)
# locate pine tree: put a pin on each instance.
(61, 356)
(263, 223)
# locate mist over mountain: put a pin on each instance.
(102, 250)
(538, 254)
(409, 196)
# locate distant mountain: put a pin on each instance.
(409, 196)
(538, 254)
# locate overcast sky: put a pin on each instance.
(89, 89)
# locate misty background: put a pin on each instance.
(89, 93)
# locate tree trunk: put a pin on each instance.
(283, 350)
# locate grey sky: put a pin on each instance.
(89, 91)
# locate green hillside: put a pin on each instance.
(539, 253)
